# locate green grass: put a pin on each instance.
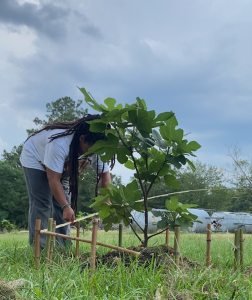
(63, 279)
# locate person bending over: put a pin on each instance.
(51, 167)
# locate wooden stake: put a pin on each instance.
(176, 245)
(120, 235)
(237, 249)
(77, 242)
(93, 244)
(37, 243)
(241, 250)
(208, 254)
(167, 237)
(48, 239)
(73, 238)
(52, 241)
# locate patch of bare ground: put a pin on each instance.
(161, 255)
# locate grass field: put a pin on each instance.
(63, 279)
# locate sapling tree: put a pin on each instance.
(142, 141)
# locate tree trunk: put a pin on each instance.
(145, 222)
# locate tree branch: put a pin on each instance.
(158, 233)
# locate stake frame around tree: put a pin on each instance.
(153, 154)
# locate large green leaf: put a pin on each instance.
(99, 200)
(176, 162)
(98, 127)
(159, 141)
(132, 186)
(108, 226)
(151, 114)
(178, 135)
(97, 146)
(129, 165)
(165, 116)
(162, 224)
(172, 204)
(168, 130)
(193, 146)
(109, 153)
(141, 103)
(192, 166)
(133, 117)
(110, 102)
(122, 155)
(181, 158)
(170, 181)
(96, 106)
(164, 170)
(104, 212)
(112, 187)
(144, 126)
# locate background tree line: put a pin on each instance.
(231, 194)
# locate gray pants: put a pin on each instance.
(43, 205)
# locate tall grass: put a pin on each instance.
(70, 278)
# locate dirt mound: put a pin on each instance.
(162, 255)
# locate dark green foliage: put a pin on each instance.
(13, 195)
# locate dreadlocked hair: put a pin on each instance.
(78, 127)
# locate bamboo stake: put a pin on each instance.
(89, 242)
(241, 250)
(176, 245)
(237, 249)
(37, 243)
(52, 241)
(93, 244)
(69, 223)
(77, 242)
(120, 235)
(167, 237)
(208, 254)
(48, 239)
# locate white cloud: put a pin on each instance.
(192, 57)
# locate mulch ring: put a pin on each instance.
(162, 255)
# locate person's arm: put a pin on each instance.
(58, 193)
(105, 178)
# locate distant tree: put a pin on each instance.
(62, 110)
(241, 179)
(217, 196)
(13, 195)
(13, 157)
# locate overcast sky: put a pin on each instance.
(192, 57)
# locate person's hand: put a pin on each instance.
(108, 202)
(68, 214)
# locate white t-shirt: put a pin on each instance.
(39, 151)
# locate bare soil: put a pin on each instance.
(162, 256)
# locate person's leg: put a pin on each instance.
(58, 213)
(40, 201)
